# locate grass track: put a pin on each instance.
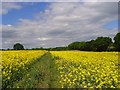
(39, 75)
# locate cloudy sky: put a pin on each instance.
(43, 24)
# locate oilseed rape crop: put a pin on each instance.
(59, 69)
(16, 64)
(87, 69)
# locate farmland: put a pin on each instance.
(16, 64)
(87, 69)
(59, 69)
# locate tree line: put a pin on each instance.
(99, 44)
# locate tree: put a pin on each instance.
(73, 46)
(18, 46)
(90, 46)
(111, 47)
(117, 41)
(102, 43)
(76, 46)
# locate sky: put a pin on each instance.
(52, 24)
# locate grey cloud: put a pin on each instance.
(56, 32)
(63, 23)
(8, 34)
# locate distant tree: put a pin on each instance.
(81, 45)
(73, 46)
(117, 41)
(76, 46)
(18, 46)
(102, 43)
(90, 46)
(111, 47)
(41, 48)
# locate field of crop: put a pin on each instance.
(87, 69)
(59, 69)
(16, 64)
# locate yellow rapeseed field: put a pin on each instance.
(71, 69)
(87, 69)
(15, 64)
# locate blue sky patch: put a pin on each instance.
(27, 11)
(111, 25)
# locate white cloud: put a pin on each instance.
(43, 39)
(6, 7)
(9, 25)
(63, 23)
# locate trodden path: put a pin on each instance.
(44, 67)
(49, 73)
(41, 74)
